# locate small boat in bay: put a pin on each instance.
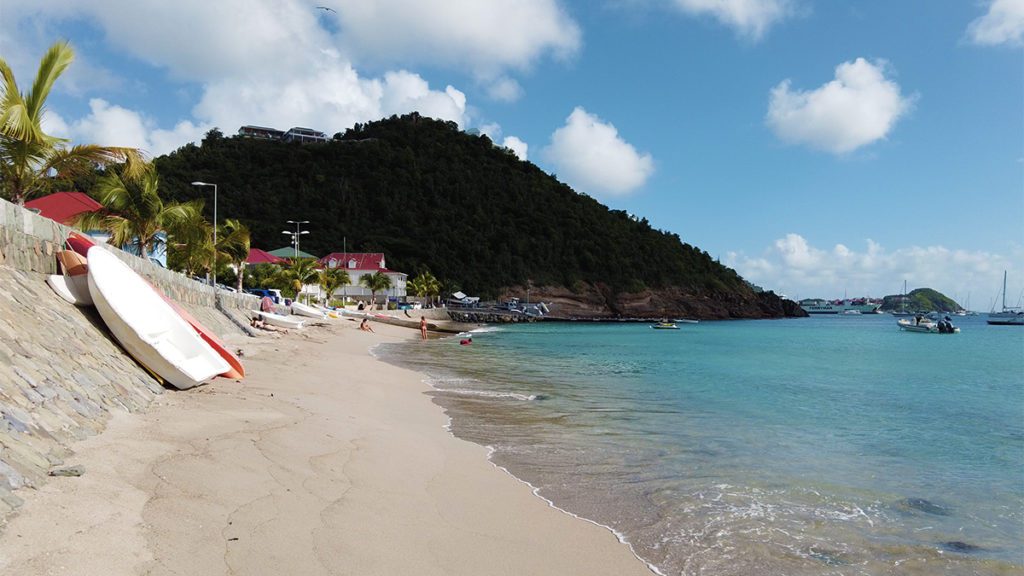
(147, 326)
(1009, 316)
(665, 326)
(927, 326)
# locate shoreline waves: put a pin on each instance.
(818, 449)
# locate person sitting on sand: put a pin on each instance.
(365, 326)
(266, 304)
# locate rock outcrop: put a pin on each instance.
(599, 302)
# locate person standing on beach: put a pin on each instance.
(423, 327)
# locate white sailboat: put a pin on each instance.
(1009, 316)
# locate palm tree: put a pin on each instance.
(425, 284)
(300, 272)
(190, 242)
(133, 212)
(31, 161)
(233, 245)
(376, 282)
(333, 278)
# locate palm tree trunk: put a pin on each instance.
(241, 274)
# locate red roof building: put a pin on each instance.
(63, 206)
(358, 264)
(257, 256)
(355, 261)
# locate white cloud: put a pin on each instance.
(1002, 24)
(491, 129)
(111, 125)
(750, 18)
(485, 37)
(791, 265)
(283, 63)
(505, 89)
(517, 146)
(858, 107)
(589, 155)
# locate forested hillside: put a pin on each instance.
(432, 197)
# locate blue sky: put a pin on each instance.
(818, 147)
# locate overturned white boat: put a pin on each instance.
(278, 320)
(74, 289)
(147, 326)
(300, 309)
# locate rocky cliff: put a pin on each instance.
(599, 302)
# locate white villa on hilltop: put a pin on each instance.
(358, 264)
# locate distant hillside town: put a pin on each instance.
(294, 134)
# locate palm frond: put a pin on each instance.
(54, 63)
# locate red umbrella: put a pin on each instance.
(257, 256)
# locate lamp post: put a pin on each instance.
(295, 235)
(295, 240)
(214, 231)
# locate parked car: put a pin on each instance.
(273, 293)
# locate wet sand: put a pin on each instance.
(323, 461)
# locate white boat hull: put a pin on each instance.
(278, 320)
(1006, 318)
(923, 327)
(300, 309)
(147, 326)
(74, 289)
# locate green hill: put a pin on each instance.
(432, 197)
(920, 300)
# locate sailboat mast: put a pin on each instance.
(1004, 289)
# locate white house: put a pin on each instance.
(358, 264)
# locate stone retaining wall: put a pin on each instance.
(61, 372)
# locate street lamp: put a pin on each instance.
(214, 231)
(295, 235)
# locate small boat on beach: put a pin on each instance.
(300, 309)
(148, 327)
(927, 326)
(277, 320)
(73, 289)
(73, 284)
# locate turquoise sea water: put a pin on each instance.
(835, 445)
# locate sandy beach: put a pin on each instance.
(323, 461)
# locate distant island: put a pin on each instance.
(482, 221)
(920, 300)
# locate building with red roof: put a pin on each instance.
(257, 256)
(63, 206)
(359, 264)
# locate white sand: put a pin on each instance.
(323, 461)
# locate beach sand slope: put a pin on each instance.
(323, 461)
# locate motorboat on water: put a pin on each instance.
(665, 326)
(927, 326)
